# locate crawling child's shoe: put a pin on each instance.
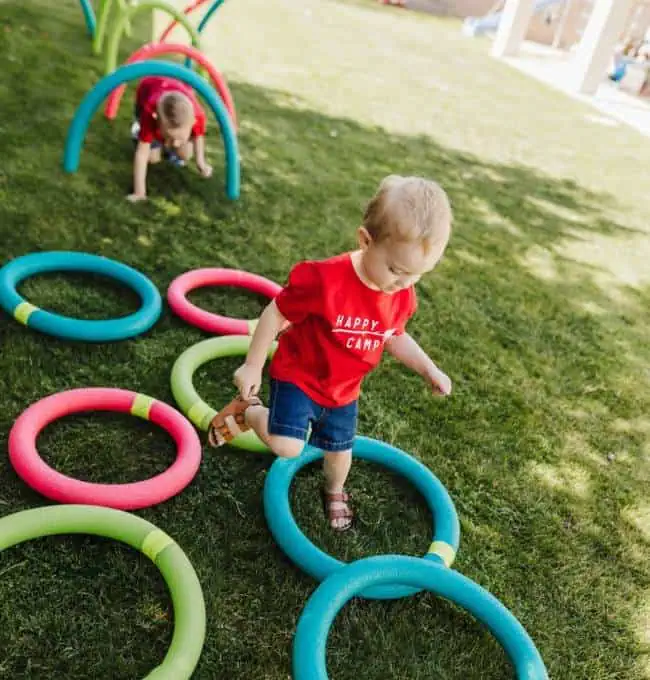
(172, 157)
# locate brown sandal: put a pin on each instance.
(230, 421)
(338, 513)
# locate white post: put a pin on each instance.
(514, 22)
(559, 31)
(595, 50)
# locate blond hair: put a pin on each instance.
(176, 109)
(409, 209)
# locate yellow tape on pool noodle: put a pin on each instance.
(446, 553)
(154, 543)
(23, 311)
(201, 414)
(142, 406)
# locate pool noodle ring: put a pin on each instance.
(310, 641)
(106, 330)
(184, 587)
(207, 321)
(318, 564)
(277, 509)
(187, 397)
(35, 472)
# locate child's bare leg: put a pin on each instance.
(155, 155)
(285, 447)
(336, 467)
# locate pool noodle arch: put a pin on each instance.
(93, 99)
(122, 20)
(89, 17)
(208, 15)
(102, 21)
(155, 49)
(204, 22)
(188, 10)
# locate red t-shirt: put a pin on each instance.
(338, 329)
(147, 95)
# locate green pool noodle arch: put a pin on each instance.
(120, 25)
(103, 15)
(151, 67)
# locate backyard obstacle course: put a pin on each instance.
(106, 30)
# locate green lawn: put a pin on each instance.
(539, 312)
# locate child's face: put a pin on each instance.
(176, 137)
(392, 266)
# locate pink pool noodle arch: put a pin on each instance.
(154, 49)
(188, 10)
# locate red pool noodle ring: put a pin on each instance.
(156, 49)
(207, 321)
(35, 472)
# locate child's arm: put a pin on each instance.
(199, 153)
(248, 377)
(406, 350)
(140, 163)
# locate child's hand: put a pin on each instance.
(248, 380)
(205, 169)
(439, 381)
(135, 198)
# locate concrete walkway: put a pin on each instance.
(554, 67)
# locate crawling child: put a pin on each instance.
(170, 122)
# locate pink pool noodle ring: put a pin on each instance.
(35, 472)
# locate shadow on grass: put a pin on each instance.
(543, 446)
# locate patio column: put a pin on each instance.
(514, 22)
(605, 25)
(559, 31)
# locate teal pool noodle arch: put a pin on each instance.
(204, 22)
(89, 17)
(152, 67)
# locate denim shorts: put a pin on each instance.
(293, 414)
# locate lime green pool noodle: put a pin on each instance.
(128, 14)
(184, 587)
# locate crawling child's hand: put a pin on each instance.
(206, 170)
(440, 383)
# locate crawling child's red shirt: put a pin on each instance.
(148, 93)
(338, 329)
